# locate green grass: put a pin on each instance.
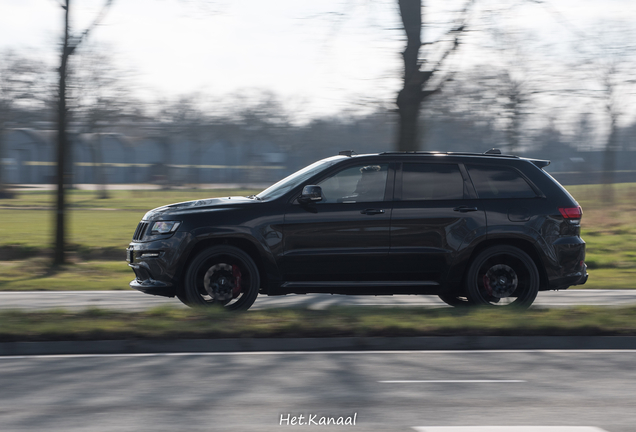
(610, 233)
(172, 323)
(36, 274)
(93, 224)
(100, 229)
(142, 200)
(86, 228)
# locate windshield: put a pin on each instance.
(296, 179)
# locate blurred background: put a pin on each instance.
(177, 93)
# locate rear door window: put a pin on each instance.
(431, 181)
(499, 182)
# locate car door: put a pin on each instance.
(345, 236)
(435, 212)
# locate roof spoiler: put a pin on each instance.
(541, 163)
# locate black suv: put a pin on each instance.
(471, 228)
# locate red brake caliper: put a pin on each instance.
(236, 274)
(486, 280)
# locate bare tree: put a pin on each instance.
(184, 119)
(102, 98)
(610, 60)
(22, 95)
(607, 52)
(418, 81)
(609, 78)
(69, 44)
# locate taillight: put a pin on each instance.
(571, 212)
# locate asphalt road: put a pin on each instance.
(527, 391)
(134, 300)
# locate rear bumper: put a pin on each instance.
(583, 278)
(577, 278)
(567, 263)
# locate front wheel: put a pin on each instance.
(454, 300)
(502, 276)
(222, 276)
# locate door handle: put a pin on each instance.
(372, 211)
(465, 209)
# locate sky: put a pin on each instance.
(317, 54)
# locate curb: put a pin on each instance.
(428, 343)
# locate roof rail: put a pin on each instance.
(492, 152)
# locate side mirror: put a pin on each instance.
(310, 193)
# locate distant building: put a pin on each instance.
(30, 158)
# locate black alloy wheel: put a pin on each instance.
(222, 276)
(502, 276)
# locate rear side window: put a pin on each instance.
(427, 181)
(499, 182)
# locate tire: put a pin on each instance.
(502, 276)
(454, 300)
(183, 297)
(222, 276)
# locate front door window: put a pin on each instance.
(360, 183)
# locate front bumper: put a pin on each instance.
(155, 264)
(153, 287)
(146, 284)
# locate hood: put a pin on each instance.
(198, 205)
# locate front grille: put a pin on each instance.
(141, 230)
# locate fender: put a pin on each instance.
(257, 245)
(524, 238)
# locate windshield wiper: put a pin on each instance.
(254, 197)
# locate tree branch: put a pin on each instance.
(95, 23)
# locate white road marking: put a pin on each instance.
(450, 381)
(508, 429)
(431, 303)
(281, 353)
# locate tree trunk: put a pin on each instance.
(62, 141)
(102, 179)
(3, 191)
(410, 97)
(609, 165)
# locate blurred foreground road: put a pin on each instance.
(134, 300)
(572, 391)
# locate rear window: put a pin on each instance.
(427, 181)
(499, 182)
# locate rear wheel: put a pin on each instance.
(502, 276)
(222, 276)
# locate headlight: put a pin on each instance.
(164, 227)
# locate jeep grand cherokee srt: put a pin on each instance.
(487, 229)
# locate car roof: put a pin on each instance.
(492, 153)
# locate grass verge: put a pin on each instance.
(173, 323)
(36, 274)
